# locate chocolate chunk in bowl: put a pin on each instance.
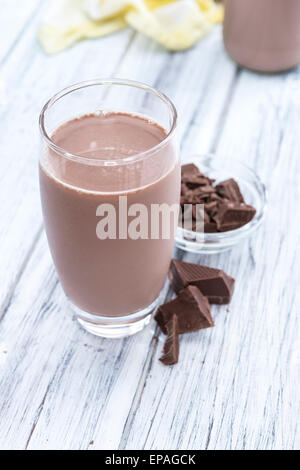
(230, 190)
(230, 181)
(224, 206)
(233, 215)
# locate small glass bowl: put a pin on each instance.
(253, 191)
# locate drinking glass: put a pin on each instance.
(113, 284)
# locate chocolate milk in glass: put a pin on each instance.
(111, 277)
(263, 35)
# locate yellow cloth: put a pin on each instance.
(176, 24)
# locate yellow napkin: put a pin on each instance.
(176, 24)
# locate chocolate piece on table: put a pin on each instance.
(233, 215)
(215, 284)
(230, 190)
(171, 346)
(192, 310)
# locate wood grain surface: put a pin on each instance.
(237, 385)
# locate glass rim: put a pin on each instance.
(109, 81)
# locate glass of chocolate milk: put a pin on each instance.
(263, 35)
(110, 187)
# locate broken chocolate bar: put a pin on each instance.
(219, 215)
(192, 310)
(233, 215)
(211, 208)
(189, 169)
(214, 284)
(194, 181)
(171, 346)
(210, 227)
(229, 189)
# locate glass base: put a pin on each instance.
(115, 327)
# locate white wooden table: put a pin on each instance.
(237, 385)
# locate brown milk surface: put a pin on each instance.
(263, 35)
(107, 277)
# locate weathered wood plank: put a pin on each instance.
(238, 399)
(236, 386)
(55, 371)
(14, 21)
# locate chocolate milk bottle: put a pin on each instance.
(101, 161)
(263, 35)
